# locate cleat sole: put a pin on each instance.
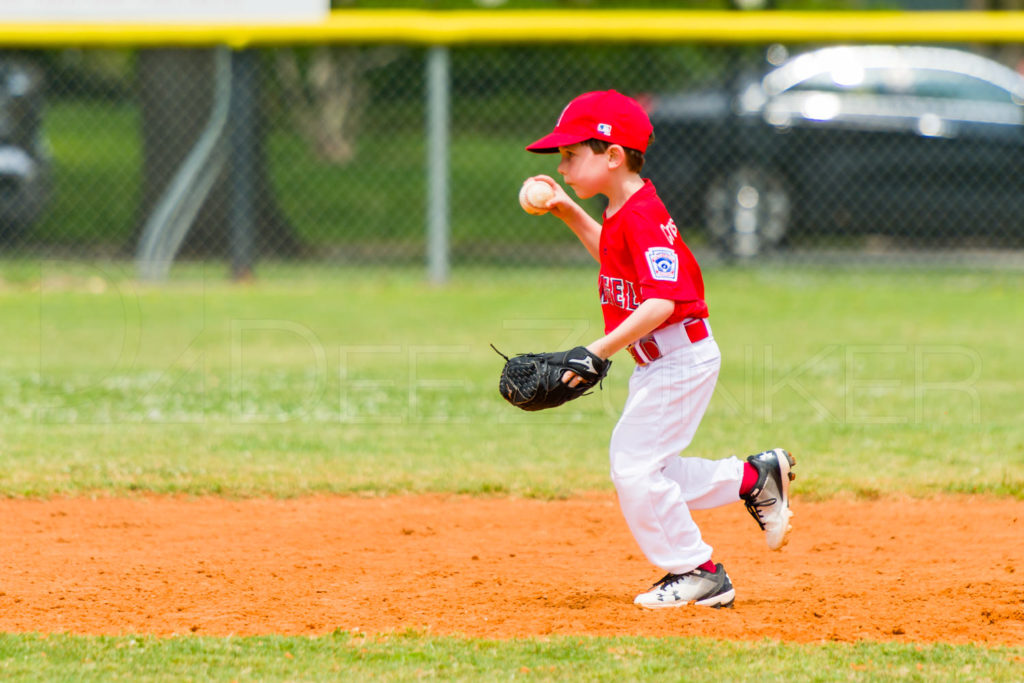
(788, 465)
(716, 602)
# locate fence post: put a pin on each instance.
(245, 65)
(438, 115)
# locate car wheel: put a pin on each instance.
(747, 210)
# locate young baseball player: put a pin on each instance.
(652, 298)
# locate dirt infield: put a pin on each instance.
(946, 569)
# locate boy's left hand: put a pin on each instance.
(574, 380)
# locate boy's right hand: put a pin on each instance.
(565, 208)
(561, 205)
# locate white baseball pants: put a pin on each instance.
(657, 488)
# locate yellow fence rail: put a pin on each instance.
(520, 26)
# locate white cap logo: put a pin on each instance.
(604, 128)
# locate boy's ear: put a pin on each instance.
(616, 156)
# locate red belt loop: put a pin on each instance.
(645, 350)
(696, 330)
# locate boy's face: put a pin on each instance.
(584, 170)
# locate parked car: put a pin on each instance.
(25, 169)
(896, 140)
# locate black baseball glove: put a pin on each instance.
(533, 381)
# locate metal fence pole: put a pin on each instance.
(438, 122)
(245, 65)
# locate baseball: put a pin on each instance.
(534, 195)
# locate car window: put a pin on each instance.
(905, 81)
(948, 85)
(859, 80)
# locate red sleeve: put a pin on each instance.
(662, 270)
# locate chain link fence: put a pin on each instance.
(325, 152)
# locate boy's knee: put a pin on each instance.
(628, 475)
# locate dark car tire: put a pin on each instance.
(747, 210)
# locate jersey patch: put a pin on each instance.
(664, 263)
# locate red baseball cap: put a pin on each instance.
(603, 115)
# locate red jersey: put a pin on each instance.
(643, 257)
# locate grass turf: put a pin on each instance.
(350, 380)
(415, 656)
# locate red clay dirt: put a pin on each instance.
(946, 569)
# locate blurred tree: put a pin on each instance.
(326, 92)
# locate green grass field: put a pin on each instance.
(412, 656)
(320, 380)
(346, 381)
